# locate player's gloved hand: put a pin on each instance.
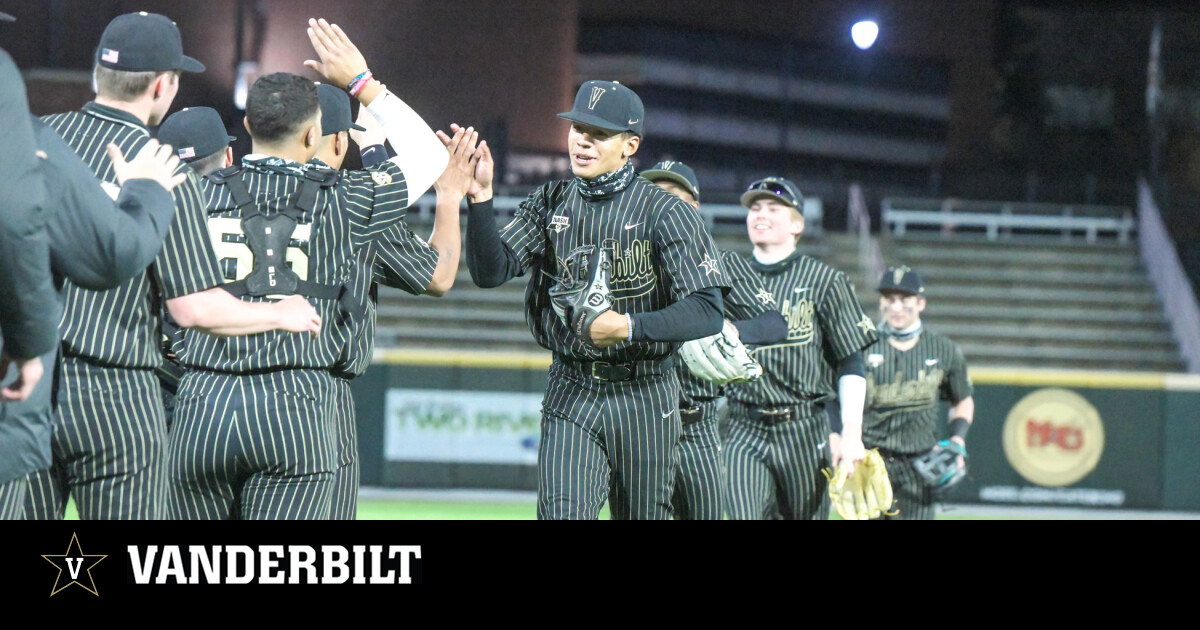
(863, 494)
(943, 466)
(29, 372)
(297, 315)
(581, 294)
(720, 358)
(153, 161)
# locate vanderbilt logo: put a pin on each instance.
(597, 92)
(632, 268)
(559, 222)
(901, 395)
(74, 567)
(799, 316)
(1053, 437)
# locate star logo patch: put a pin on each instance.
(866, 325)
(710, 266)
(74, 567)
(381, 178)
(765, 298)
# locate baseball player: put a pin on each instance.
(199, 138)
(400, 259)
(909, 369)
(775, 440)
(254, 434)
(610, 427)
(108, 444)
(700, 480)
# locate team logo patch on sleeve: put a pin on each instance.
(559, 223)
(381, 178)
(710, 266)
(866, 324)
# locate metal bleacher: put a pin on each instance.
(1034, 294)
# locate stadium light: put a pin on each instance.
(864, 33)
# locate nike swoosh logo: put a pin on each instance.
(668, 414)
(630, 227)
(822, 445)
(634, 122)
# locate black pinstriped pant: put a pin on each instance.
(253, 446)
(12, 499)
(608, 440)
(700, 480)
(344, 500)
(914, 500)
(774, 468)
(109, 446)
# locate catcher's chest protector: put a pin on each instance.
(268, 237)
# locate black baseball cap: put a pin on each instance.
(143, 42)
(335, 110)
(607, 105)
(195, 132)
(677, 172)
(775, 188)
(902, 279)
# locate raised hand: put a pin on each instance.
(340, 60)
(459, 176)
(485, 168)
(154, 161)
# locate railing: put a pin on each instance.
(870, 259)
(997, 218)
(1170, 281)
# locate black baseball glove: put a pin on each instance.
(581, 294)
(939, 467)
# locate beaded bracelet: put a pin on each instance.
(360, 82)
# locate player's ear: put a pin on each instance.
(632, 143)
(341, 144)
(920, 304)
(228, 156)
(246, 124)
(796, 228)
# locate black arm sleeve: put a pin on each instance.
(852, 365)
(767, 327)
(373, 155)
(489, 260)
(698, 315)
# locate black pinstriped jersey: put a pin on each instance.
(747, 298)
(322, 250)
(826, 324)
(120, 327)
(658, 245)
(401, 260)
(903, 390)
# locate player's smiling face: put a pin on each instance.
(595, 151)
(900, 310)
(772, 222)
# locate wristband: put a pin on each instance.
(959, 427)
(360, 82)
(630, 321)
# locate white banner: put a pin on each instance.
(437, 425)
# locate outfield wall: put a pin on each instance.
(1041, 437)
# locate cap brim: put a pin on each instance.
(749, 196)
(233, 138)
(889, 289)
(655, 175)
(593, 120)
(191, 65)
(4, 17)
(357, 127)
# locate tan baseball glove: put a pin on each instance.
(864, 495)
